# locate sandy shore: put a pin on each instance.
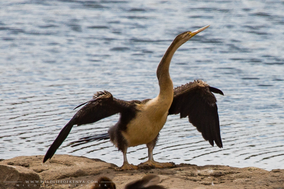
(65, 171)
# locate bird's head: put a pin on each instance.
(185, 36)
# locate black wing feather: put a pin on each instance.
(102, 105)
(197, 101)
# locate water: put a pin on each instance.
(55, 54)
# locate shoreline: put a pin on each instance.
(66, 171)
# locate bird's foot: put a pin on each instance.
(150, 164)
(127, 166)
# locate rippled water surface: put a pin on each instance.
(55, 54)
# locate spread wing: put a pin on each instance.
(197, 101)
(101, 106)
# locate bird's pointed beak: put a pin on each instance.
(199, 30)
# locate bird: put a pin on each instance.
(140, 121)
(147, 182)
(104, 183)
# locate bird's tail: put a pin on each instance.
(84, 140)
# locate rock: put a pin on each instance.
(56, 172)
(18, 177)
(65, 171)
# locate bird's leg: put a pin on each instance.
(126, 165)
(117, 138)
(151, 162)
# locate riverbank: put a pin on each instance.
(65, 171)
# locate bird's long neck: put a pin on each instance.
(163, 74)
